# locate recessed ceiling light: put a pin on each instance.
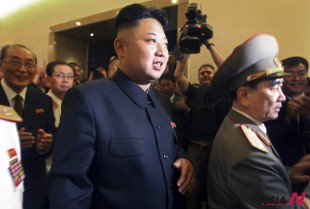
(174, 1)
(91, 34)
(78, 23)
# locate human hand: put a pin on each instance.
(299, 105)
(26, 138)
(181, 105)
(187, 181)
(299, 173)
(44, 141)
(103, 72)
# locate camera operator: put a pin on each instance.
(208, 107)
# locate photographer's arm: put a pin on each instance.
(179, 73)
(216, 55)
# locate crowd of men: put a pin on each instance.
(236, 140)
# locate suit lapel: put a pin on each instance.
(3, 98)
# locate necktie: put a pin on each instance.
(18, 105)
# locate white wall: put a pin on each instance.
(233, 22)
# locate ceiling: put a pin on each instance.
(104, 30)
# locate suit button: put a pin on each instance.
(148, 102)
(165, 156)
(158, 127)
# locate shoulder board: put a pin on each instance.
(8, 113)
(254, 140)
(307, 203)
(264, 138)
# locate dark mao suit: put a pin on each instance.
(38, 114)
(114, 149)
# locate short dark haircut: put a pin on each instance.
(74, 64)
(130, 15)
(5, 49)
(293, 61)
(51, 67)
(206, 65)
(167, 76)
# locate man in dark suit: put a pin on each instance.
(36, 109)
(244, 169)
(286, 132)
(116, 146)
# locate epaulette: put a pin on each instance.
(307, 203)
(8, 113)
(254, 139)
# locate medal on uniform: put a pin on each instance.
(15, 168)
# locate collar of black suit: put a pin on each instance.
(133, 91)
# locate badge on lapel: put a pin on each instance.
(173, 125)
(39, 110)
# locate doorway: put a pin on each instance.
(89, 40)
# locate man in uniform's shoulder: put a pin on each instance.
(11, 169)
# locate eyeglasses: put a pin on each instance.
(63, 76)
(18, 63)
(300, 74)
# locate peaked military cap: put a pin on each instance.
(255, 59)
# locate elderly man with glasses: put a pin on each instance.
(36, 109)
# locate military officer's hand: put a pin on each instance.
(187, 181)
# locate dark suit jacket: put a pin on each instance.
(241, 175)
(115, 146)
(38, 114)
(286, 138)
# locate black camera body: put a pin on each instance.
(195, 31)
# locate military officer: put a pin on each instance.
(244, 169)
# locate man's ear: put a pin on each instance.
(243, 95)
(48, 80)
(119, 47)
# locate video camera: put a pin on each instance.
(194, 32)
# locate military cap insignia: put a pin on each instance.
(252, 137)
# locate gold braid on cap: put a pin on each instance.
(266, 72)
